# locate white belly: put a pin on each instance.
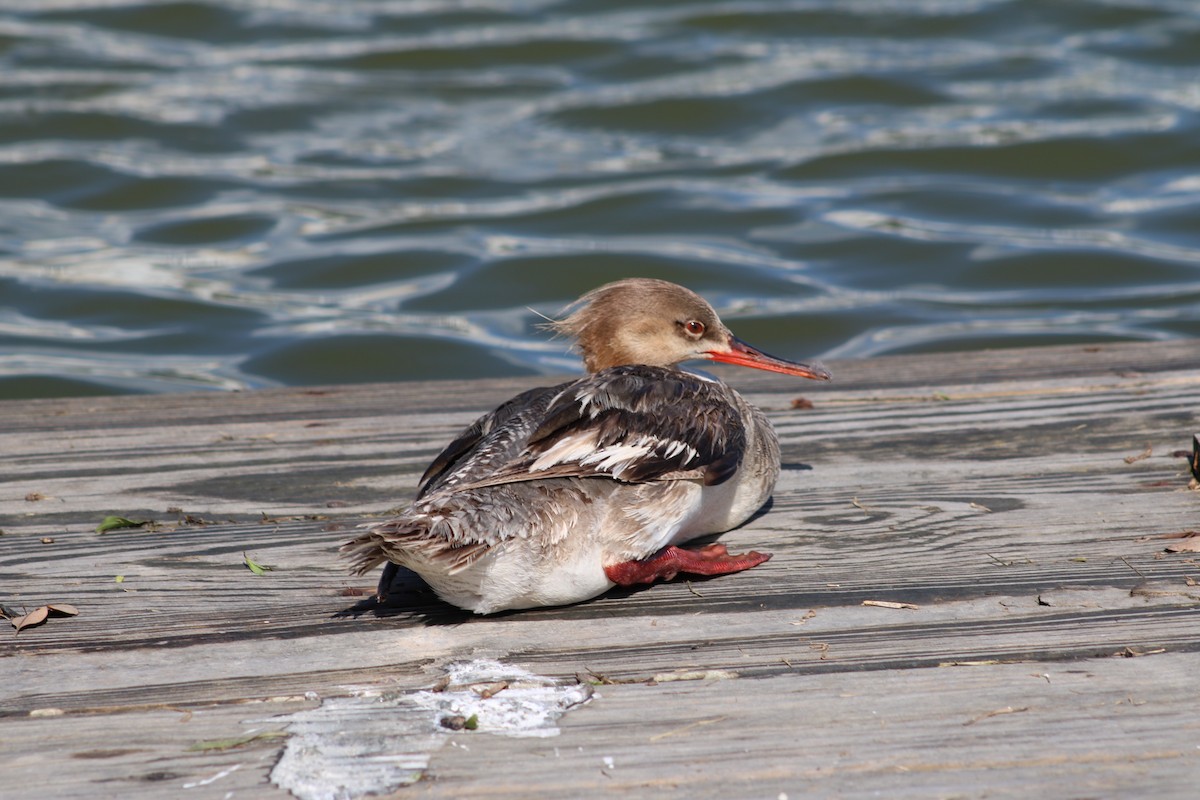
(724, 507)
(516, 574)
(512, 576)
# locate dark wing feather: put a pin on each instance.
(631, 423)
(493, 439)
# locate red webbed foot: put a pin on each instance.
(712, 559)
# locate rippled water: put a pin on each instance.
(244, 193)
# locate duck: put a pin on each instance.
(566, 491)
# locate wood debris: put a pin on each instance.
(600, 679)
(1144, 590)
(1149, 451)
(998, 712)
(888, 604)
(697, 724)
(1130, 652)
(695, 675)
(45, 713)
(487, 690)
(987, 662)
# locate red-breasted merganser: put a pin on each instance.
(566, 491)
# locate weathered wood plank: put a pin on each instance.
(1005, 494)
(160, 752)
(1108, 728)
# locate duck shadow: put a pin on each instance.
(405, 594)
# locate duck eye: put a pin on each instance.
(694, 327)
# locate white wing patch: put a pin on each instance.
(581, 448)
(569, 449)
(615, 458)
(587, 397)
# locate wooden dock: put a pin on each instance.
(1007, 508)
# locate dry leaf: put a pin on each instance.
(1189, 545)
(1190, 541)
(802, 403)
(41, 614)
(35, 617)
(1176, 535)
(34, 497)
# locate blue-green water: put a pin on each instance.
(245, 193)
